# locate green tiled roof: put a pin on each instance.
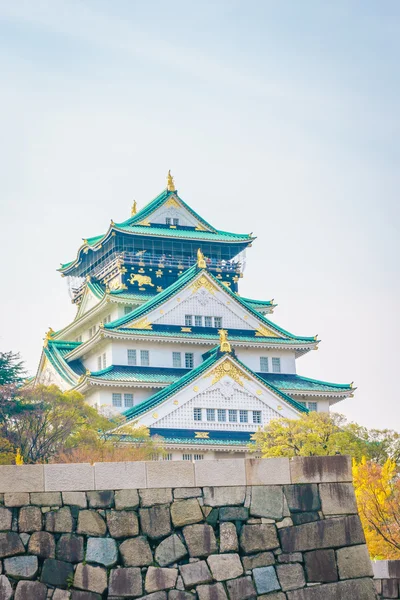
(139, 374)
(298, 382)
(172, 389)
(55, 352)
(99, 291)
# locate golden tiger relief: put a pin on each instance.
(141, 279)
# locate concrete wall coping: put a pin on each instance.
(162, 474)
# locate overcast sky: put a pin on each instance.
(278, 118)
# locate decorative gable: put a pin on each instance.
(174, 209)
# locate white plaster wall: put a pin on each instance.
(90, 360)
(160, 354)
(102, 397)
(185, 218)
(251, 358)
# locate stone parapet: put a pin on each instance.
(387, 578)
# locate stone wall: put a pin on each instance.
(219, 530)
(387, 578)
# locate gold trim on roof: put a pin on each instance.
(227, 368)
(223, 341)
(203, 282)
(134, 209)
(170, 182)
(263, 331)
(201, 262)
(141, 324)
(202, 435)
(172, 202)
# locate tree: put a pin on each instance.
(11, 369)
(377, 490)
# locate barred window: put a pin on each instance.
(264, 364)
(232, 415)
(256, 416)
(79, 338)
(104, 360)
(221, 414)
(197, 414)
(243, 416)
(207, 321)
(168, 220)
(198, 456)
(167, 456)
(127, 310)
(176, 360)
(188, 320)
(210, 414)
(117, 400)
(144, 358)
(99, 363)
(276, 365)
(198, 320)
(218, 322)
(128, 400)
(187, 457)
(189, 360)
(175, 221)
(132, 358)
(312, 406)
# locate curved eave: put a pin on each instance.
(66, 267)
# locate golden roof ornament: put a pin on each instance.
(49, 335)
(201, 262)
(223, 340)
(134, 209)
(170, 182)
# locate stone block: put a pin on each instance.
(42, 544)
(6, 590)
(390, 588)
(46, 499)
(224, 496)
(290, 558)
(200, 540)
(102, 551)
(225, 566)
(257, 538)
(155, 496)
(241, 589)
(338, 498)
(187, 492)
(91, 523)
(136, 552)
(305, 517)
(267, 501)
(78, 595)
(120, 475)
(321, 566)
(57, 573)
(262, 559)
(354, 562)
(21, 567)
(233, 513)
(5, 519)
(275, 596)
(330, 533)
(125, 583)
(16, 499)
(216, 591)
(265, 580)
(126, 499)
(101, 499)
(59, 521)
(155, 596)
(155, 521)
(320, 469)
(75, 499)
(162, 474)
(302, 497)
(267, 471)
(61, 595)
(169, 551)
(195, 573)
(30, 519)
(224, 472)
(291, 576)
(394, 569)
(21, 478)
(10, 544)
(69, 477)
(179, 595)
(30, 590)
(70, 548)
(228, 540)
(186, 512)
(122, 523)
(352, 589)
(158, 578)
(90, 578)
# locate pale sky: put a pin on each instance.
(278, 118)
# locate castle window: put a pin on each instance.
(197, 414)
(232, 416)
(189, 360)
(79, 338)
(221, 415)
(198, 456)
(167, 456)
(264, 364)
(256, 416)
(276, 365)
(207, 321)
(127, 310)
(175, 222)
(198, 320)
(144, 358)
(210, 414)
(128, 400)
(218, 322)
(188, 320)
(104, 360)
(187, 457)
(107, 319)
(99, 363)
(168, 220)
(312, 406)
(243, 416)
(132, 358)
(176, 360)
(117, 400)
